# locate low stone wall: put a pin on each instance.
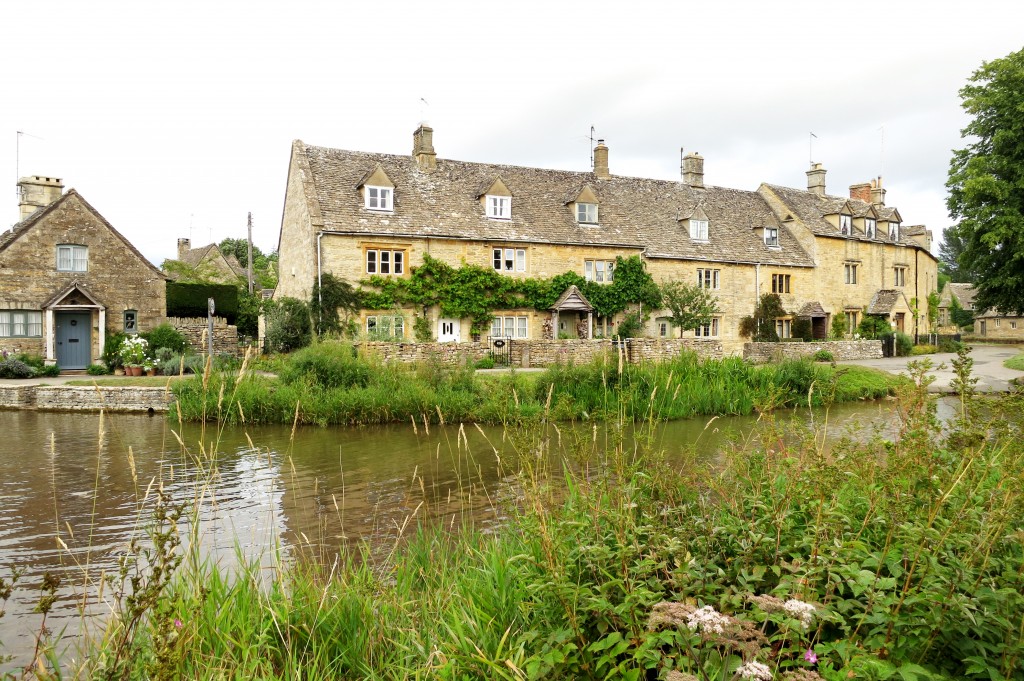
(85, 398)
(841, 350)
(542, 353)
(194, 329)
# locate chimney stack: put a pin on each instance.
(37, 192)
(184, 246)
(877, 193)
(816, 179)
(861, 191)
(601, 161)
(693, 170)
(423, 148)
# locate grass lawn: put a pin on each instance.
(127, 381)
(1015, 363)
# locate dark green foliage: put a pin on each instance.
(689, 305)
(289, 326)
(823, 356)
(331, 296)
(165, 336)
(190, 300)
(13, 368)
(421, 329)
(327, 365)
(97, 370)
(264, 268)
(112, 349)
(986, 185)
(958, 315)
(904, 344)
(760, 327)
(631, 326)
(950, 250)
(249, 308)
(802, 328)
(838, 330)
(873, 327)
(48, 370)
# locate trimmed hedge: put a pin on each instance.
(190, 300)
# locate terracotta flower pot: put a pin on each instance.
(135, 371)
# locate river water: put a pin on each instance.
(75, 489)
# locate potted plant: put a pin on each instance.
(133, 354)
(149, 368)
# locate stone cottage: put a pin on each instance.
(68, 278)
(206, 263)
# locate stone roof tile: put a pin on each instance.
(811, 209)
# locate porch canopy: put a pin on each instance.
(573, 300)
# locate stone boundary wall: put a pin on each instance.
(85, 398)
(841, 350)
(225, 336)
(542, 353)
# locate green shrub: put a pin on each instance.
(904, 344)
(484, 363)
(328, 365)
(922, 349)
(191, 300)
(48, 370)
(34, 361)
(15, 368)
(823, 356)
(112, 350)
(166, 336)
(288, 325)
(874, 327)
(97, 370)
(950, 345)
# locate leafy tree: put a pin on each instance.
(690, 305)
(330, 296)
(958, 315)
(264, 266)
(183, 273)
(986, 184)
(933, 310)
(950, 250)
(760, 327)
(874, 327)
(288, 325)
(838, 331)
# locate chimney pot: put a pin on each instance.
(184, 246)
(601, 161)
(816, 179)
(861, 191)
(877, 193)
(693, 170)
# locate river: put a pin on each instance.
(73, 489)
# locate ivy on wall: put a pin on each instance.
(476, 292)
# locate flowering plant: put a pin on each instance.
(133, 351)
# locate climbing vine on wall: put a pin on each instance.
(476, 292)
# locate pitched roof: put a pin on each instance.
(964, 294)
(883, 301)
(194, 256)
(635, 213)
(812, 309)
(572, 299)
(28, 223)
(811, 209)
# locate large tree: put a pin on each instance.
(986, 184)
(952, 246)
(689, 305)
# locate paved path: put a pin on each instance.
(988, 367)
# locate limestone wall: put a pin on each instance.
(85, 398)
(841, 350)
(225, 336)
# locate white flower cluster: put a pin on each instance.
(708, 620)
(800, 610)
(754, 670)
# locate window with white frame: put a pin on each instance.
(845, 224)
(899, 276)
(586, 213)
(850, 272)
(385, 261)
(509, 327)
(707, 278)
(21, 324)
(709, 330)
(72, 258)
(385, 327)
(509, 259)
(997, 322)
(870, 227)
(784, 328)
(499, 207)
(699, 230)
(894, 231)
(771, 236)
(1013, 325)
(601, 271)
(379, 198)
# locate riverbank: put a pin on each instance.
(611, 563)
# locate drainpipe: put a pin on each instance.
(319, 286)
(757, 293)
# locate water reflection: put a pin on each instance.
(73, 488)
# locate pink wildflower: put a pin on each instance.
(811, 656)
(177, 623)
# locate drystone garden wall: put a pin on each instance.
(85, 398)
(841, 350)
(195, 329)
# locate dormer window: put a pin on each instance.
(870, 227)
(699, 230)
(771, 237)
(499, 207)
(845, 224)
(894, 231)
(586, 213)
(71, 258)
(379, 198)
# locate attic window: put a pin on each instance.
(586, 213)
(894, 231)
(499, 207)
(699, 230)
(71, 258)
(379, 198)
(845, 224)
(771, 236)
(870, 226)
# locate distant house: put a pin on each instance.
(206, 263)
(68, 279)
(964, 296)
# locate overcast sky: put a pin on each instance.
(176, 119)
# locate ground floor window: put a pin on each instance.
(784, 328)
(851, 321)
(709, 330)
(385, 327)
(21, 324)
(1013, 325)
(509, 327)
(604, 327)
(131, 319)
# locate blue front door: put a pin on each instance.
(74, 341)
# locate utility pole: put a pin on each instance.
(250, 253)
